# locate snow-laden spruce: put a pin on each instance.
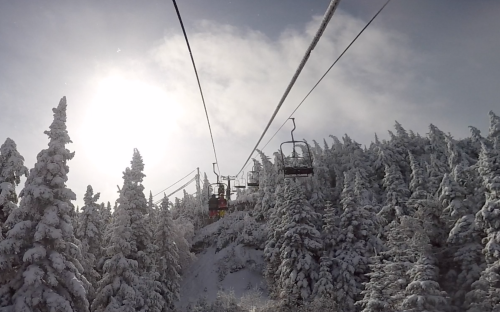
(129, 281)
(11, 169)
(275, 232)
(90, 236)
(167, 257)
(324, 285)
(40, 257)
(485, 295)
(301, 245)
(464, 241)
(397, 194)
(356, 243)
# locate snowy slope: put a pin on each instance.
(235, 267)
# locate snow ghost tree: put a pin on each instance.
(168, 257)
(39, 256)
(90, 236)
(300, 248)
(11, 169)
(129, 280)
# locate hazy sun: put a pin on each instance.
(127, 114)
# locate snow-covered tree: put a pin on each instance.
(301, 244)
(167, 257)
(11, 170)
(485, 295)
(423, 293)
(129, 279)
(494, 129)
(355, 244)
(275, 232)
(324, 285)
(267, 187)
(463, 242)
(396, 194)
(105, 212)
(90, 236)
(39, 256)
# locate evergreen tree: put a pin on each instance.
(267, 187)
(324, 286)
(301, 244)
(11, 169)
(90, 236)
(356, 243)
(494, 129)
(39, 257)
(129, 279)
(423, 292)
(396, 194)
(321, 188)
(106, 214)
(463, 243)
(167, 257)
(274, 242)
(388, 277)
(485, 295)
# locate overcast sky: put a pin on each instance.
(125, 70)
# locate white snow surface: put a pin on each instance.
(235, 267)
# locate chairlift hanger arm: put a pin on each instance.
(215, 172)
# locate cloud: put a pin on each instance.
(244, 74)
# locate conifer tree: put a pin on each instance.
(274, 242)
(388, 277)
(11, 170)
(39, 256)
(437, 144)
(324, 286)
(301, 244)
(153, 214)
(356, 243)
(129, 280)
(463, 242)
(167, 257)
(321, 188)
(90, 236)
(106, 214)
(485, 295)
(423, 292)
(268, 183)
(494, 129)
(396, 194)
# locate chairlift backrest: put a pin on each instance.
(298, 164)
(253, 178)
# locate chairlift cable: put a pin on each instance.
(326, 19)
(180, 188)
(197, 79)
(317, 83)
(174, 183)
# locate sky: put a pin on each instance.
(124, 68)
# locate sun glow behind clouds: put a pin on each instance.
(127, 114)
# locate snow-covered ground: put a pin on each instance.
(235, 267)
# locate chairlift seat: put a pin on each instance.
(297, 171)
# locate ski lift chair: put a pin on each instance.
(253, 178)
(297, 165)
(240, 183)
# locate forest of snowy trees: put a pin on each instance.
(407, 224)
